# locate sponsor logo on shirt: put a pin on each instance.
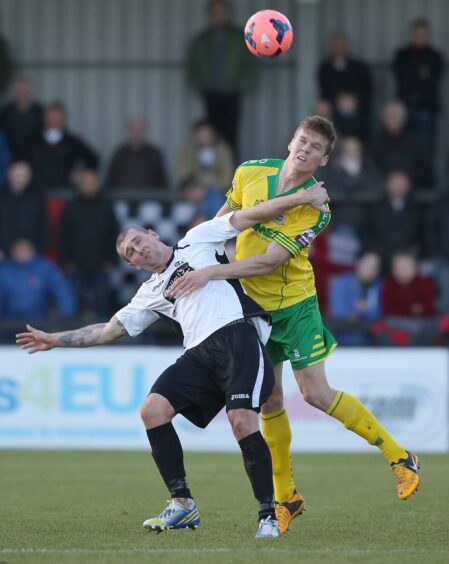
(176, 274)
(306, 237)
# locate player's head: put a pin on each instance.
(312, 144)
(141, 248)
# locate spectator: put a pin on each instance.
(59, 153)
(398, 148)
(348, 118)
(439, 246)
(206, 159)
(418, 69)
(23, 212)
(340, 72)
(137, 163)
(406, 293)
(355, 301)
(408, 303)
(395, 223)
(5, 65)
(89, 229)
(323, 108)
(22, 120)
(206, 202)
(350, 174)
(29, 284)
(221, 69)
(5, 157)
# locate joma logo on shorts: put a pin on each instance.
(239, 396)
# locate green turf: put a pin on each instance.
(89, 507)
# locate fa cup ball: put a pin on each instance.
(268, 34)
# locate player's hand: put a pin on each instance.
(318, 197)
(188, 283)
(34, 340)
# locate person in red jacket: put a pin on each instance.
(408, 301)
(406, 293)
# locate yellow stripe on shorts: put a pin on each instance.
(318, 345)
(317, 353)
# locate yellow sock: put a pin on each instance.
(277, 433)
(357, 418)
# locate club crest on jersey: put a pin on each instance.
(257, 202)
(280, 220)
(305, 237)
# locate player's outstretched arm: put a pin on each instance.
(257, 265)
(316, 196)
(34, 340)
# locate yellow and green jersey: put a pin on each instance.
(255, 182)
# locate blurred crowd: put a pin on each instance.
(382, 268)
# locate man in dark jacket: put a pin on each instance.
(394, 224)
(418, 69)
(23, 212)
(398, 148)
(22, 120)
(221, 69)
(340, 72)
(136, 163)
(59, 153)
(89, 229)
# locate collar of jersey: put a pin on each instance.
(273, 183)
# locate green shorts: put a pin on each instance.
(298, 335)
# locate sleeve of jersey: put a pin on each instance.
(136, 316)
(216, 230)
(301, 233)
(234, 194)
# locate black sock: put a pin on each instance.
(258, 466)
(169, 458)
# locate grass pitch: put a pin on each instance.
(88, 507)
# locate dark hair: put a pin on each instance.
(420, 22)
(203, 122)
(322, 126)
(211, 4)
(57, 105)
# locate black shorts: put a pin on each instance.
(230, 367)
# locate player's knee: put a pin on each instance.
(243, 422)
(153, 411)
(314, 398)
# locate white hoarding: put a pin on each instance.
(90, 399)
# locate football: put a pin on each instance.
(268, 34)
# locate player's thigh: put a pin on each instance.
(192, 391)
(305, 339)
(246, 375)
(314, 386)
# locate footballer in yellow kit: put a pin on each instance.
(272, 262)
(289, 292)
